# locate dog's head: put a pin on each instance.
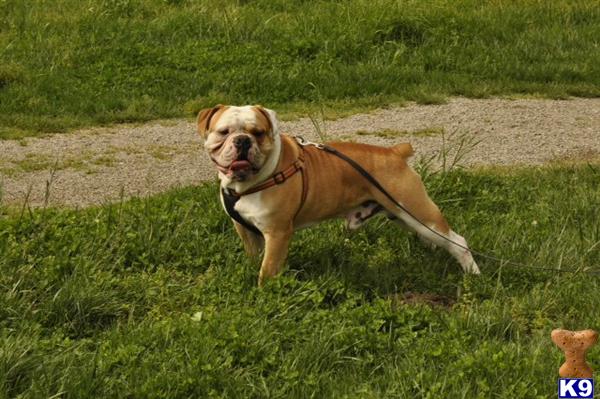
(239, 140)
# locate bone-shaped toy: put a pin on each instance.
(575, 344)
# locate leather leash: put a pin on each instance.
(280, 177)
(378, 185)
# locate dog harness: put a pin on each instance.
(230, 197)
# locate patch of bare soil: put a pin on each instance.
(101, 165)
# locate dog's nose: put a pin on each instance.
(242, 143)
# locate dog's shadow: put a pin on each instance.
(380, 259)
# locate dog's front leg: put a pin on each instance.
(276, 250)
(253, 243)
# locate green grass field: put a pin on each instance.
(69, 63)
(155, 298)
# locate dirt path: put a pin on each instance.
(102, 164)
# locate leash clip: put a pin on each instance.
(303, 142)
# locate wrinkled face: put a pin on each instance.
(238, 139)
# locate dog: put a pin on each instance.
(271, 185)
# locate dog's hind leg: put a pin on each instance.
(452, 242)
(422, 216)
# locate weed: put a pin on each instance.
(390, 133)
(162, 152)
(42, 162)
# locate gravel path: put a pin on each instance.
(104, 164)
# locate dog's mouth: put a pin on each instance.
(239, 169)
(240, 165)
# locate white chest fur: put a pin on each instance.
(251, 208)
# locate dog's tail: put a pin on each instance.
(405, 150)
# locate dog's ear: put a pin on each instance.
(204, 118)
(271, 118)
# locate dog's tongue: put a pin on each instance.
(239, 165)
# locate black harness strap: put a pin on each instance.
(230, 197)
(365, 174)
(229, 200)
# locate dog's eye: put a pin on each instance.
(259, 133)
(223, 131)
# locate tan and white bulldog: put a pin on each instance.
(249, 153)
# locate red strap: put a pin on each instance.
(277, 178)
(280, 178)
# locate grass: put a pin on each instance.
(70, 63)
(84, 161)
(163, 152)
(391, 133)
(155, 298)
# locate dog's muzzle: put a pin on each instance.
(241, 167)
(242, 145)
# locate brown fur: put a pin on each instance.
(207, 115)
(262, 121)
(326, 200)
(333, 189)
